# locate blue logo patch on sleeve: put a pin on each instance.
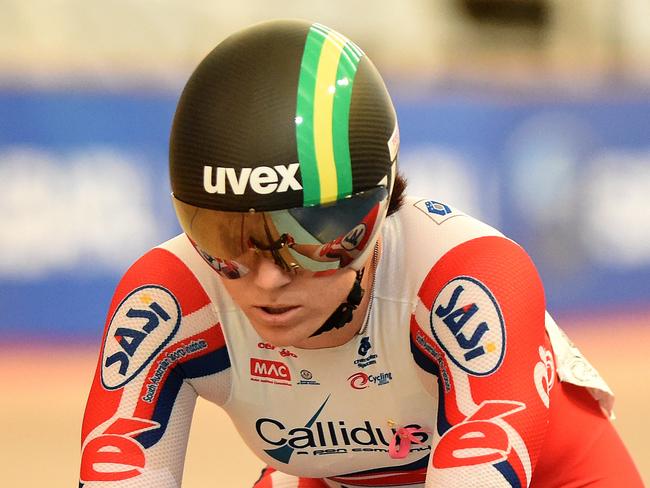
(436, 211)
(468, 324)
(143, 323)
(437, 208)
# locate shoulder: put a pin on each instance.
(435, 227)
(166, 270)
(159, 310)
(479, 292)
(426, 234)
(440, 244)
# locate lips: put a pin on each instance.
(277, 310)
(276, 314)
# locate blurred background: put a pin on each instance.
(533, 115)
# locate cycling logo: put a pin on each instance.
(147, 318)
(467, 322)
(361, 380)
(327, 437)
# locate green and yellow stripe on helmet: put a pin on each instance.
(329, 64)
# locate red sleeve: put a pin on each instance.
(160, 333)
(479, 327)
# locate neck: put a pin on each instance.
(338, 337)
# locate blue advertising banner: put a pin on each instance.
(84, 192)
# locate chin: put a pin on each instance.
(278, 335)
(284, 336)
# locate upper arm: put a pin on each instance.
(479, 327)
(160, 333)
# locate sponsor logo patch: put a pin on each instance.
(146, 320)
(361, 380)
(365, 359)
(467, 323)
(115, 455)
(364, 346)
(307, 378)
(432, 350)
(285, 353)
(479, 439)
(267, 371)
(437, 211)
(328, 436)
(164, 363)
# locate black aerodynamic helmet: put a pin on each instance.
(284, 116)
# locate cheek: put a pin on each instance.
(235, 288)
(331, 290)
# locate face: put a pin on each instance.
(286, 308)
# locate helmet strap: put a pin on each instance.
(343, 314)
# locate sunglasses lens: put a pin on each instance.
(229, 269)
(316, 239)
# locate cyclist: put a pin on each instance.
(354, 335)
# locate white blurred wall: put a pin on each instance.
(144, 42)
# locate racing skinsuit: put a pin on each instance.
(458, 369)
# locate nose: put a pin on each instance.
(269, 276)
